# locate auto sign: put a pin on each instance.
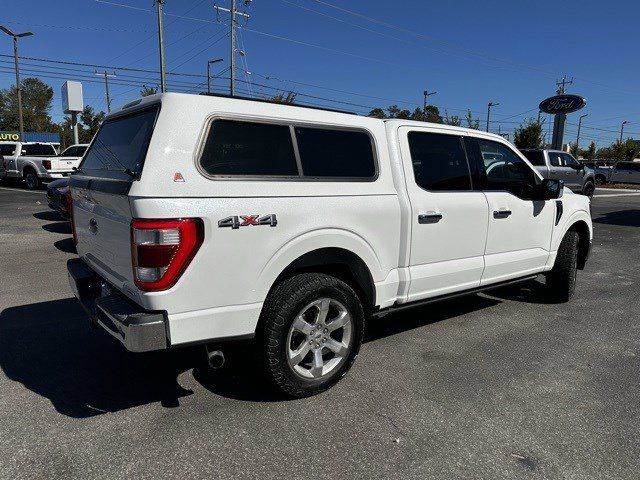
(562, 104)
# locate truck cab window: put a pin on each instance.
(504, 170)
(439, 161)
(555, 160)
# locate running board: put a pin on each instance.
(448, 296)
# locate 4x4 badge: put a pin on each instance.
(238, 221)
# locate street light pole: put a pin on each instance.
(426, 94)
(209, 72)
(163, 80)
(622, 129)
(489, 105)
(578, 137)
(17, 67)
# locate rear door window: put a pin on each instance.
(335, 153)
(121, 144)
(250, 149)
(439, 161)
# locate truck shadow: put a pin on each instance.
(51, 349)
(58, 227)
(49, 216)
(625, 218)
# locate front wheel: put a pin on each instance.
(588, 189)
(561, 280)
(311, 331)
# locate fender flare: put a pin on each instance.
(568, 223)
(316, 240)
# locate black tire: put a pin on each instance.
(588, 189)
(283, 305)
(31, 179)
(561, 280)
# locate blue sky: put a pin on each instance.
(470, 52)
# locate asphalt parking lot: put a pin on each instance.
(495, 386)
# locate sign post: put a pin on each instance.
(559, 106)
(73, 103)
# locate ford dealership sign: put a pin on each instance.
(562, 104)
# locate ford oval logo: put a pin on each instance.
(562, 104)
(93, 225)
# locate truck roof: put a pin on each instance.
(267, 107)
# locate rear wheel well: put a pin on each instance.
(28, 169)
(582, 229)
(339, 263)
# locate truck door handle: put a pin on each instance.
(431, 217)
(501, 213)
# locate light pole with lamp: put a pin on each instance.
(16, 36)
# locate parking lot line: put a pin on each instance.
(617, 195)
(22, 190)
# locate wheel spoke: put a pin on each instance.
(318, 363)
(339, 322)
(298, 355)
(301, 325)
(336, 347)
(323, 309)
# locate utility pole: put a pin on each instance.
(562, 83)
(106, 86)
(232, 13)
(209, 72)
(489, 105)
(578, 137)
(16, 36)
(163, 80)
(622, 129)
(427, 94)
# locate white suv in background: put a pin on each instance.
(202, 219)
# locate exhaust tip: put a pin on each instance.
(215, 358)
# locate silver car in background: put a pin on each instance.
(559, 165)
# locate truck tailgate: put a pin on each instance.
(103, 228)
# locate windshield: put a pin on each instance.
(121, 143)
(37, 150)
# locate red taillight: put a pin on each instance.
(46, 164)
(70, 210)
(161, 250)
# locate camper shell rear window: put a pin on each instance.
(120, 146)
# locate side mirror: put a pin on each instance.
(550, 189)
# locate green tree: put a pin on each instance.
(377, 113)
(528, 135)
(433, 114)
(288, 99)
(472, 122)
(37, 97)
(454, 120)
(146, 91)
(87, 126)
(590, 153)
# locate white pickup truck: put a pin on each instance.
(200, 219)
(36, 163)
